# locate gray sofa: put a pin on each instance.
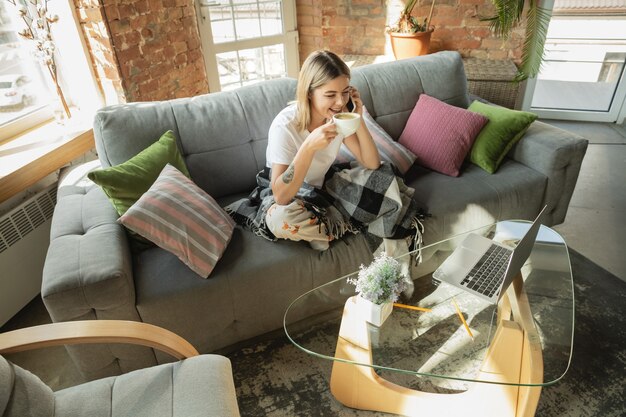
(92, 272)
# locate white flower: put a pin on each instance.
(382, 281)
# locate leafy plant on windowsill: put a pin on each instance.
(408, 23)
(509, 15)
(382, 281)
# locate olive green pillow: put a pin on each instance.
(126, 182)
(504, 129)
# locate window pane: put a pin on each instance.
(271, 18)
(228, 67)
(24, 87)
(274, 60)
(222, 24)
(244, 19)
(581, 71)
(247, 21)
(249, 66)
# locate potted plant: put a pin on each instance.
(408, 36)
(379, 285)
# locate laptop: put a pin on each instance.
(484, 267)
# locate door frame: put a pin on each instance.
(289, 38)
(616, 113)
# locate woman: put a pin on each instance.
(303, 143)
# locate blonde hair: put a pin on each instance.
(319, 68)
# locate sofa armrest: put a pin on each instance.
(96, 331)
(88, 275)
(558, 154)
(88, 265)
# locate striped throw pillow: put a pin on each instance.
(389, 150)
(181, 218)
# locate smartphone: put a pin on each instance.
(350, 105)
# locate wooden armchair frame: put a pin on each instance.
(96, 331)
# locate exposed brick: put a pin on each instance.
(142, 6)
(180, 59)
(155, 5)
(151, 37)
(126, 10)
(468, 43)
(311, 31)
(491, 43)
(119, 26)
(137, 22)
(366, 2)
(133, 38)
(129, 54)
(305, 20)
(180, 47)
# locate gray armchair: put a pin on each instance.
(197, 385)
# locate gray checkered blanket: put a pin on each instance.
(352, 200)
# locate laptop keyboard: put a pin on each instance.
(488, 273)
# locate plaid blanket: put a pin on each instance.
(352, 200)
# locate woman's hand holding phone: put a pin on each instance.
(354, 104)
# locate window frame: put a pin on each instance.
(73, 63)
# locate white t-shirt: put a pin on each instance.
(283, 143)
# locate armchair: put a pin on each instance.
(197, 385)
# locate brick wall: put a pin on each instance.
(93, 24)
(145, 50)
(358, 27)
(148, 49)
(343, 26)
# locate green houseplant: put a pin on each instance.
(509, 15)
(410, 37)
(378, 286)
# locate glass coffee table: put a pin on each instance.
(428, 361)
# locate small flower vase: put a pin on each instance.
(375, 314)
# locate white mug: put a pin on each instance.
(347, 123)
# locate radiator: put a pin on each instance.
(24, 240)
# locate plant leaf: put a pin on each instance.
(508, 15)
(537, 22)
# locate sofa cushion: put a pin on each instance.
(441, 135)
(126, 182)
(22, 393)
(391, 89)
(389, 150)
(476, 198)
(198, 386)
(181, 218)
(224, 135)
(249, 289)
(504, 129)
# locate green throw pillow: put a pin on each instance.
(504, 129)
(126, 182)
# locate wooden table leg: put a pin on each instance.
(358, 386)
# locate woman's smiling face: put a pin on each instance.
(329, 99)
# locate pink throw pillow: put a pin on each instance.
(441, 135)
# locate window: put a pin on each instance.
(247, 41)
(25, 93)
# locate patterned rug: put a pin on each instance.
(274, 378)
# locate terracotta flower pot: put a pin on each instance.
(408, 45)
